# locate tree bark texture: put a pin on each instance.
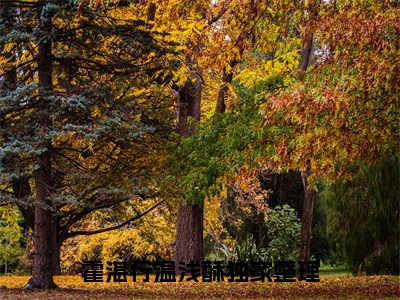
(45, 235)
(189, 227)
(306, 218)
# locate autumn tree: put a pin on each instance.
(310, 10)
(306, 115)
(200, 47)
(227, 31)
(343, 112)
(188, 91)
(234, 31)
(351, 114)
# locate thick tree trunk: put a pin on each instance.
(42, 276)
(45, 235)
(45, 229)
(189, 226)
(189, 233)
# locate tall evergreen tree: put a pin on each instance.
(71, 117)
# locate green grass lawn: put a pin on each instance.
(336, 270)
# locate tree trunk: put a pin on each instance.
(223, 91)
(309, 194)
(189, 226)
(188, 104)
(305, 54)
(151, 11)
(45, 229)
(45, 226)
(189, 233)
(306, 218)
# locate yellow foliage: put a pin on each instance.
(150, 238)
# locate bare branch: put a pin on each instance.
(138, 216)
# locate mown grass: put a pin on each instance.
(334, 270)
